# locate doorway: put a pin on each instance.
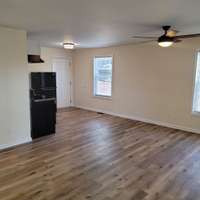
(63, 82)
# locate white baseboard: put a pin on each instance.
(14, 144)
(169, 125)
(165, 124)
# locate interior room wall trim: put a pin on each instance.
(17, 143)
(159, 123)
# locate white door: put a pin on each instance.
(61, 67)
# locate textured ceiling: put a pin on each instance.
(98, 23)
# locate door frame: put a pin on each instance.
(70, 76)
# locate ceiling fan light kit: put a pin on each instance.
(165, 41)
(169, 37)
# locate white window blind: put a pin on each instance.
(196, 102)
(103, 76)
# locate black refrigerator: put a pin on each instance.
(43, 103)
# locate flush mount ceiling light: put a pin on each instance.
(68, 45)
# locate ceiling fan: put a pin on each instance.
(169, 37)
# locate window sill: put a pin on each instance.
(102, 97)
(195, 113)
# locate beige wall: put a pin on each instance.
(14, 101)
(150, 83)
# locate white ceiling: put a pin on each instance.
(98, 23)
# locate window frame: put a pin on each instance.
(93, 78)
(195, 113)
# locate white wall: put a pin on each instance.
(14, 88)
(150, 83)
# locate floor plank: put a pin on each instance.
(102, 157)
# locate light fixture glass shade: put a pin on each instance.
(68, 45)
(165, 44)
(165, 41)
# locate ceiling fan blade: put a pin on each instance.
(144, 37)
(188, 36)
(145, 42)
(177, 40)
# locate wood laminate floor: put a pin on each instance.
(100, 157)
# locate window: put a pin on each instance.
(196, 102)
(103, 76)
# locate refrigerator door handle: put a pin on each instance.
(43, 100)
